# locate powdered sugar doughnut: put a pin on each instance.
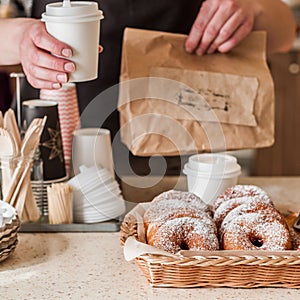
(187, 197)
(164, 210)
(239, 191)
(256, 231)
(180, 220)
(226, 207)
(184, 233)
(254, 205)
(168, 208)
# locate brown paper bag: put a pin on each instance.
(175, 103)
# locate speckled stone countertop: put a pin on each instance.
(91, 265)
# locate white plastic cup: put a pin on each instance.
(92, 147)
(210, 174)
(79, 27)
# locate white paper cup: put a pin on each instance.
(209, 175)
(92, 147)
(79, 27)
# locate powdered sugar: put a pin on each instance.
(174, 201)
(227, 206)
(254, 231)
(239, 191)
(173, 213)
(254, 205)
(160, 210)
(182, 196)
(185, 234)
(180, 220)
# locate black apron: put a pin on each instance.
(164, 15)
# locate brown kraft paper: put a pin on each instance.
(174, 103)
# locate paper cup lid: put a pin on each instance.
(212, 174)
(79, 11)
(91, 131)
(39, 103)
(215, 164)
(76, 9)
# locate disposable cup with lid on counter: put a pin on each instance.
(210, 174)
(77, 25)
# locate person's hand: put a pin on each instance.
(38, 52)
(221, 25)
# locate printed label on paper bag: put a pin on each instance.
(212, 97)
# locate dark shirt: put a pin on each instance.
(99, 110)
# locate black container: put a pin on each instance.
(51, 147)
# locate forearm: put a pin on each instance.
(276, 18)
(11, 33)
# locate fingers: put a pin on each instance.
(48, 61)
(236, 38)
(45, 60)
(205, 14)
(43, 84)
(52, 79)
(221, 26)
(43, 40)
(213, 28)
(43, 69)
(228, 31)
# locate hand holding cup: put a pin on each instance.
(77, 25)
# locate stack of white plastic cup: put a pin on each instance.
(210, 174)
(92, 147)
(77, 25)
(96, 196)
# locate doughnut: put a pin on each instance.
(295, 234)
(255, 225)
(177, 221)
(254, 205)
(247, 219)
(174, 201)
(239, 191)
(163, 210)
(256, 231)
(184, 233)
(182, 196)
(227, 206)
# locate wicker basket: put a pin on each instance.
(9, 238)
(244, 269)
